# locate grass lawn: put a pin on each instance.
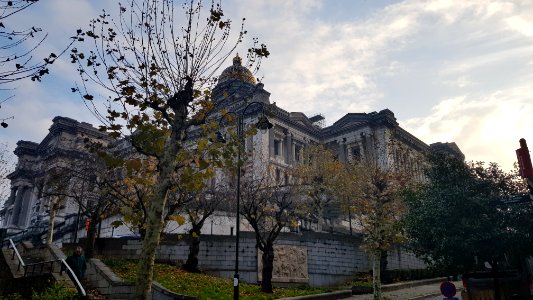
(201, 285)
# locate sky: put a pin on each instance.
(450, 70)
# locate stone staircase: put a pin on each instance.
(38, 261)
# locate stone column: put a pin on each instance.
(11, 198)
(288, 149)
(270, 143)
(342, 152)
(17, 205)
(24, 212)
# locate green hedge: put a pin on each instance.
(392, 276)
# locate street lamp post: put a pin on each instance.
(262, 124)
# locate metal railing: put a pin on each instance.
(30, 269)
(30, 232)
(16, 252)
(72, 277)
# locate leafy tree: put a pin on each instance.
(130, 183)
(157, 71)
(369, 190)
(197, 211)
(56, 188)
(458, 216)
(378, 208)
(268, 206)
(318, 174)
(89, 190)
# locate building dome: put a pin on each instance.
(237, 72)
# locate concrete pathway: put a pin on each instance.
(428, 291)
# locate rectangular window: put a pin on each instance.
(356, 153)
(277, 146)
(297, 153)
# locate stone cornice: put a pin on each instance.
(63, 124)
(26, 174)
(285, 116)
(354, 121)
(409, 139)
(26, 148)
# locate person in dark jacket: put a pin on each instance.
(77, 263)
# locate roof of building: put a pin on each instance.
(237, 72)
(448, 148)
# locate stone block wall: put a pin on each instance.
(331, 259)
(112, 287)
(400, 259)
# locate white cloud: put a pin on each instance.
(486, 128)
(471, 61)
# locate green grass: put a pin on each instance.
(204, 286)
(54, 292)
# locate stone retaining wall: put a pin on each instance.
(331, 259)
(112, 287)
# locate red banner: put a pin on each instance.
(524, 162)
(87, 222)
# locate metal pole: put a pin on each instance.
(238, 222)
(77, 226)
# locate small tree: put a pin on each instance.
(378, 208)
(157, 71)
(56, 188)
(197, 211)
(368, 189)
(268, 207)
(318, 176)
(89, 190)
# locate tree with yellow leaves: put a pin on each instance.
(378, 207)
(269, 206)
(202, 205)
(318, 175)
(369, 190)
(157, 66)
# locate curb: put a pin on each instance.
(385, 288)
(422, 297)
(410, 284)
(325, 296)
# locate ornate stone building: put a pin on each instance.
(355, 136)
(63, 146)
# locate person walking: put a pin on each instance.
(77, 263)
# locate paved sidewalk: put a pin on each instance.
(412, 293)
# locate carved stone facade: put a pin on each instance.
(63, 146)
(290, 264)
(353, 137)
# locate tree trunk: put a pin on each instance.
(166, 166)
(268, 268)
(142, 232)
(495, 270)
(155, 220)
(192, 260)
(376, 274)
(91, 236)
(52, 219)
(383, 267)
